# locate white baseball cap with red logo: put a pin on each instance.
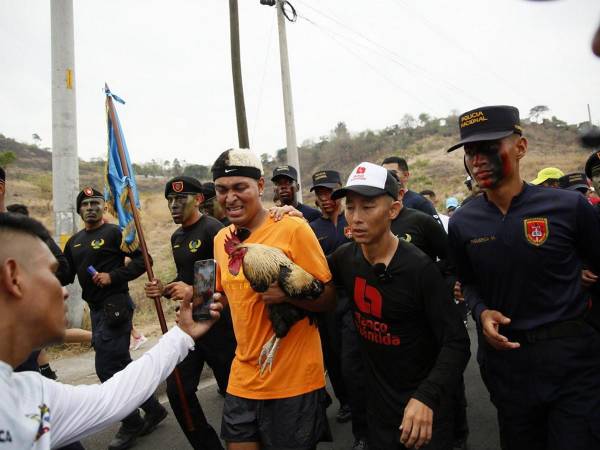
(370, 180)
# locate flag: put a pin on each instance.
(116, 182)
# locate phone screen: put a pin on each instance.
(204, 288)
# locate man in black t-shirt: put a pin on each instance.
(192, 242)
(94, 255)
(285, 179)
(411, 199)
(415, 345)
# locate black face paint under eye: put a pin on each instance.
(493, 171)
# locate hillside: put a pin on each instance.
(422, 142)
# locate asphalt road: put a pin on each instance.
(482, 418)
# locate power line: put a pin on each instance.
(366, 62)
(394, 56)
(446, 37)
(262, 81)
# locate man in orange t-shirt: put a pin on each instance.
(283, 408)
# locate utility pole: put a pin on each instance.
(589, 115)
(286, 84)
(236, 70)
(65, 163)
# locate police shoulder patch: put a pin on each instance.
(536, 230)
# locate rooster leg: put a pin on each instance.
(265, 352)
(269, 361)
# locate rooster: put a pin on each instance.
(264, 265)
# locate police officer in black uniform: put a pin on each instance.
(411, 199)
(338, 333)
(414, 343)
(285, 179)
(95, 256)
(519, 251)
(192, 242)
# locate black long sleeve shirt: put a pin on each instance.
(64, 269)
(101, 248)
(193, 243)
(526, 264)
(413, 340)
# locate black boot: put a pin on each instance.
(130, 429)
(153, 418)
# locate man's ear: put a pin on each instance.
(10, 278)
(395, 208)
(521, 148)
(199, 198)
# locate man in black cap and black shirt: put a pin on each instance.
(285, 179)
(411, 199)
(519, 250)
(338, 334)
(415, 344)
(575, 181)
(210, 206)
(96, 258)
(192, 242)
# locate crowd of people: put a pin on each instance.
(391, 281)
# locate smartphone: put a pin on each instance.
(205, 273)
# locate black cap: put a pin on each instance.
(592, 165)
(370, 180)
(285, 171)
(183, 185)
(87, 192)
(488, 123)
(2, 175)
(208, 189)
(574, 181)
(326, 178)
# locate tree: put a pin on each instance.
(281, 156)
(341, 131)
(537, 112)
(197, 171)
(36, 138)
(265, 159)
(7, 158)
(176, 168)
(424, 119)
(407, 121)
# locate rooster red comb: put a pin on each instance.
(238, 236)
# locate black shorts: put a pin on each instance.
(296, 423)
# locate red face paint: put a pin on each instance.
(489, 165)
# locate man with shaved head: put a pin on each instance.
(38, 413)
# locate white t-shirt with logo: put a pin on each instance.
(39, 413)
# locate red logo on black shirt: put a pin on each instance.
(369, 301)
(367, 298)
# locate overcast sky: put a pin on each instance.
(363, 62)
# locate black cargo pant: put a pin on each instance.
(217, 349)
(111, 344)
(330, 331)
(547, 393)
(353, 369)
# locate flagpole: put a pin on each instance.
(147, 261)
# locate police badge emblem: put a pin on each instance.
(177, 186)
(536, 230)
(88, 191)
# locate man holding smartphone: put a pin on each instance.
(191, 242)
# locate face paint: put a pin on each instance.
(91, 210)
(489, 163)
(182, 207)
